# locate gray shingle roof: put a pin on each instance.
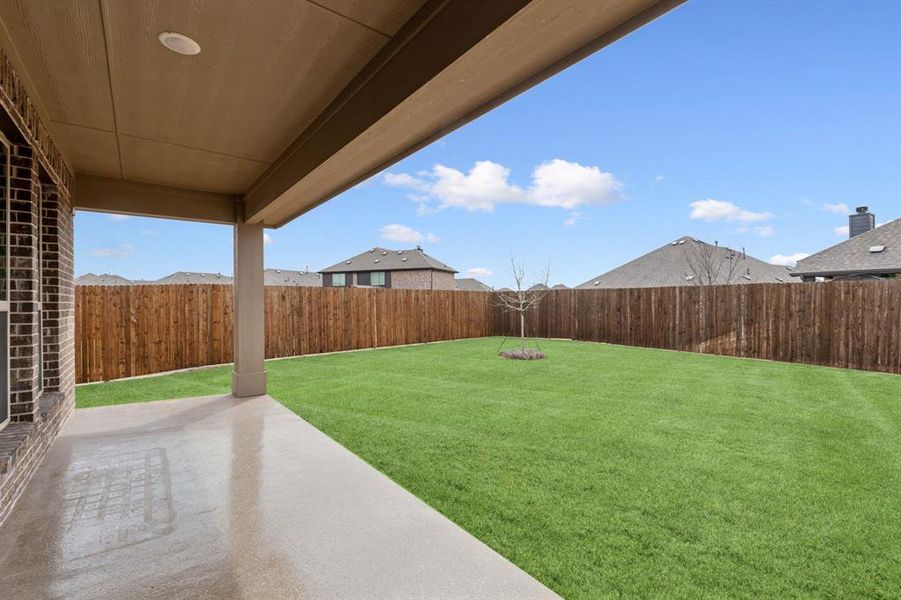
(102, 279)
(470, 284)
(383, 259)
(668, 266)
(853, 256)
(182, 277)
(286, 277)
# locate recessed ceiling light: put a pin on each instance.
(179, 43)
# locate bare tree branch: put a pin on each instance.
(522, 299)
(709, 265)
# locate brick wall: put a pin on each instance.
(24, 225)
(58, 292)
(42, 300)
(422, 280)
(38, 237)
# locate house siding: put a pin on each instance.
(422, 279)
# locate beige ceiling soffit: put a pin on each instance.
(104, 194)
(437, 35)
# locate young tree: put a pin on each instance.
(710, 265)
(522, 299)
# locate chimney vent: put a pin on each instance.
(861, 221)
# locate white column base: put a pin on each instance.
(245, 385)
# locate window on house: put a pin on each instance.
(338, 279)
(377, 278)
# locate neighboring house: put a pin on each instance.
(102, 279)
(286, 277)
(470, 284)
(870, 254)
(677, 264)
(185, 277)
(381, 267)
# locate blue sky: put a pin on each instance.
(755, 124)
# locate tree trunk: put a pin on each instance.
(522, 331)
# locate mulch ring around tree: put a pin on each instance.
(519, 354)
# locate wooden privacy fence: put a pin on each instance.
(123, 331)
(853, 324)
(129, 330)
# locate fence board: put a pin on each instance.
(124, 331)
(849, 324)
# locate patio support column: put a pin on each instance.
(249, 375)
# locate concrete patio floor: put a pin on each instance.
(227, 498)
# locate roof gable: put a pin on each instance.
(668, 266)
(384, 259)
(854, 255)
(470, 284)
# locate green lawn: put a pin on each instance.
(608, 470)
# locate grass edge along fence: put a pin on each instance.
(124, 331)
(848, 324)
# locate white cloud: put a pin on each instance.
(557, 183)
(839, 208)
(788, 260)
(568, 185)
(573, 218)
(267, 239)
(119, 217)
(720, 210)
(405, 180)
(765, 230)
(842, 231)
(401, 233)
(120, 251)
(485, 186)
(479, 272)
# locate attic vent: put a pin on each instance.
(876, 249)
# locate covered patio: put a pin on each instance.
(221, 497)
(247, 115)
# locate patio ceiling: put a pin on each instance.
(287, 104)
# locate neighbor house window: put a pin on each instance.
(377, 278)
(338, 279)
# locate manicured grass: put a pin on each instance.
(187, 384)
(607, 470)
